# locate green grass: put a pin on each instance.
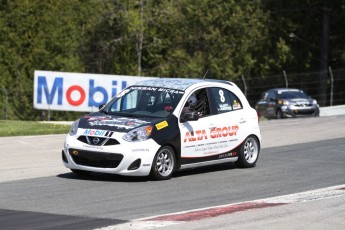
(26, 128)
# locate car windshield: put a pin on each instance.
(291, 94)
(144, 101)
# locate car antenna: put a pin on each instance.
(205, 74)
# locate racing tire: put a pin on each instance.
(81, 172)
(249, 153)
(163, 165)
(279, 114)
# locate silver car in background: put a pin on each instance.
(284, 102)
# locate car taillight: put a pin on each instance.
(257, 113)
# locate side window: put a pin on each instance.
(198, 102)
(271, 96)
(225, 101)
(264, 96)
(236, 103)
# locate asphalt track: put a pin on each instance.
(298, 155)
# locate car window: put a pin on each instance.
(224, 100)
(291, 94)
(271, 95)
(129, 101)
(197, 102)
(145, 102)
(264, 96)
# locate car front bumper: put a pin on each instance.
(300, 111)
(125, 158)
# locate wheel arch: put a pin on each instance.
(242, 161)
(257, 138)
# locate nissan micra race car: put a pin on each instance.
(158, 126)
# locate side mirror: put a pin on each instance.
(101, 106)
(192, 116)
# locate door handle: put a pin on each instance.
(242, 121)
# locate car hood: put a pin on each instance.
(115, 123)
(301, 101)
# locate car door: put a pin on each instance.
(196, 143)
(271, 103)
(229, 122)
(262, 104)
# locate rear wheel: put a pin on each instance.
(249, 153)
(163, 164)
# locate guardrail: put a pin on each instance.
(332, 110)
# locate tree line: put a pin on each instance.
(163, 38)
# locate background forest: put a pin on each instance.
(250, 42)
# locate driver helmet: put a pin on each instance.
(192, 101)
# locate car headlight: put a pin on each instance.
(283, 102)
(314, 102)
(138, 134)
(74, 128)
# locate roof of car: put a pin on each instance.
(176, 83)
(285, 89)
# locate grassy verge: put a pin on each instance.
(25, 128)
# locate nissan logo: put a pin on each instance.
(95, 140)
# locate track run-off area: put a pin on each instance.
(298, 183)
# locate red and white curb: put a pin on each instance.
(199, 214)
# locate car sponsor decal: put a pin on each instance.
(108, 134)
(225, 107)
(162, 125)
(97, 132)
(225, 155)
(93, 147)
(214, 133)
(217, 143)
(237, 105)
(141, 150)
(122, 122)
(158, 89)
(212, 154)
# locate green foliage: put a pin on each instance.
(24, 128)
(196, 36)
(40, 35)
(180, 38)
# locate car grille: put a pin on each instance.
(303, 105)
(99, 141)
(304, 112)
(95, 159)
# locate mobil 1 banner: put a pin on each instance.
(77, 91)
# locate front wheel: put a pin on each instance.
(279, 114)
(249, 153)
(163, 164)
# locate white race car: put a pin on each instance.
(158, 126)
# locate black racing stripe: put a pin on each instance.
(108, 134)
(11, 219)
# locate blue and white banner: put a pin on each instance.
(77, 91)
